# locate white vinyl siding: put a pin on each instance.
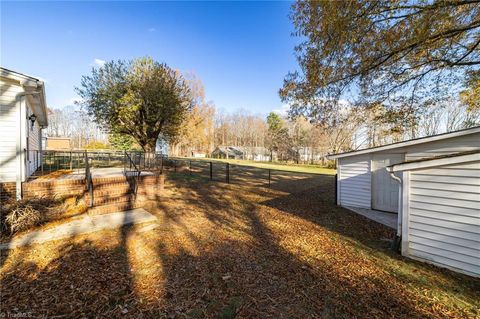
(444, 216)
(457, 144)
(9, 128)
(355, 181)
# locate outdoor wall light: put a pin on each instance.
(32, 119)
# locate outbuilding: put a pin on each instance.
(432, 183)
(57, 143)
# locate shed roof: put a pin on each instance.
(411, 142)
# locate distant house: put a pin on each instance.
(309, 154)
(245, 153)
(198, 154)
(433, 183)
(259, 154)
(58, 143)
(23, 115)
(227, 152)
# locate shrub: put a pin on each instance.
(23, 218)
(330, 164)
(16, 216)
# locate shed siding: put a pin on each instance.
(444, 216)
(458, 144)
(9, 121)
(355, 181)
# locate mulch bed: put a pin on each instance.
(225, 251)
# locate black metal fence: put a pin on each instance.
(222, 171)
(75, 161)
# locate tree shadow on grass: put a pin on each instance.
(317, 205)
(240, 267)
(83, 281)
(74, 279)
(217, 253)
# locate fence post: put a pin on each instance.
(70, 160)
(175, 166)
(190, 168)
(269, 177)
(228, 173)
(211, 171)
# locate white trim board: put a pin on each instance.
(466, 158)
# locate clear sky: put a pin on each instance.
(240, 50)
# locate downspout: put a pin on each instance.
(397, 241)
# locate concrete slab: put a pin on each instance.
(83, 225)
(111, 172)
(384, 218)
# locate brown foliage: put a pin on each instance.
(224, 251)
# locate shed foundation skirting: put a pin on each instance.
(384, 218)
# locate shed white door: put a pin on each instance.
(384, 187)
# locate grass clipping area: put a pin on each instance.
(225, 251)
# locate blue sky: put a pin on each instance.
(240, 50)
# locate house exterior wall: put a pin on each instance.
(442, 216)
(11, 122)
(354, 181)
(9, 128)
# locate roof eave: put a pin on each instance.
(433, 162)
(40, 107)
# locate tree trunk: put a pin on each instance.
(149, 149)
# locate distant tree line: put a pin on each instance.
(134, 104)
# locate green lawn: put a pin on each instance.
(299, 168)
